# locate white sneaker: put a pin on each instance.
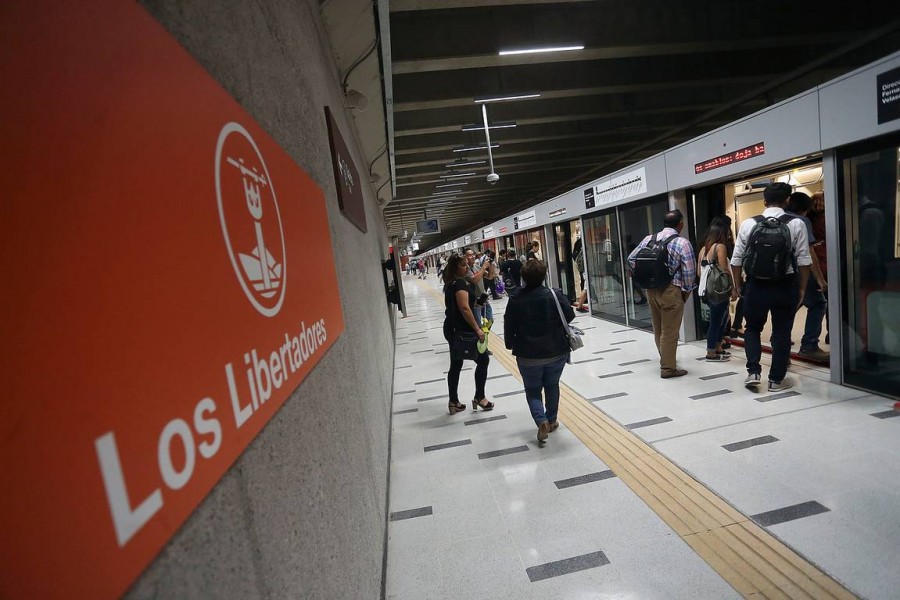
(784, 384)
(752, 382)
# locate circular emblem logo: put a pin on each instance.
(251, 221)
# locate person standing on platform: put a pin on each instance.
(578, 257)
(814, 299)
(714, 252)
(490, 278)
(817, 217)
(511, 271)
(459, 300)
(773, 250)
(534, 331)
(667, 272)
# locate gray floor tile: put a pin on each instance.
(567, 565)
(789, 513)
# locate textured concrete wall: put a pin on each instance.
(301, 514)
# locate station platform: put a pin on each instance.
(691, 487)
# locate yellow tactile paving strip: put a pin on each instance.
(748, 557)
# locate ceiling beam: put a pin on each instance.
(591, 91)
(485, 61)
(410, 5)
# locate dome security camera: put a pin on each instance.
(493, 178)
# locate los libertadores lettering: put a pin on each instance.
(264, 373)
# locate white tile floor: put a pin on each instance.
(494, 518)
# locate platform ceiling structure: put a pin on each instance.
(652, 74)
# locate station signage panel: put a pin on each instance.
(557, 213)
(627, 185)
(468, 240)
(503, 230)
(888, 95)
(346, 178)
(525, 220)
(487, 233)
(159, 252)
(730, 158)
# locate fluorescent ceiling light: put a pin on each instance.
(445, 192)
(458, 175)
(473, 148)
(453, 184)
(465, 164)
(539, 50)
(508, 97)
(497, 125)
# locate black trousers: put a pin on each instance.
(481, 371)
(491, 284)
(780, 299)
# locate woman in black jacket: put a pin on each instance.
(533, 330)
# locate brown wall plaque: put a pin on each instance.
(346, 178)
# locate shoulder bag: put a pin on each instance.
(463, 344)
(716, 283)
(572, 333)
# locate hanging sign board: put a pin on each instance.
(425, 226)
(468, 240)
(159, 249)
(487, 233)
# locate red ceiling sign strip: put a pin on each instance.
(730, 158)
(169, 281)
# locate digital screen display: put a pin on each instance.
(730, 158)
(428, 226)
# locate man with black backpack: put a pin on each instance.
(663, 264)
(772, 250)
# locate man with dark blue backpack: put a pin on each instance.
(772, 250)
(663, 265)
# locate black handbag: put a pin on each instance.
(463, 345)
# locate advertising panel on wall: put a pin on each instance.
(158, 252)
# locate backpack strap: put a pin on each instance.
(759, 218)
(665, 243)
(668, 239)
(786, 218)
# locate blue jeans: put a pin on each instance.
(486, 311)
(816, 308)
(546, 378)
(718, 315)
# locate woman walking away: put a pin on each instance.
(534, 331)
(459, 300)
(714, 252)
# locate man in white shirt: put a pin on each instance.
(779, 295)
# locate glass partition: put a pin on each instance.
(606, 292)
(637, 223)
(869, 181)
(562, 250)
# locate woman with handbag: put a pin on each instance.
(712, 261)
(463, 334)
(534, 330)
